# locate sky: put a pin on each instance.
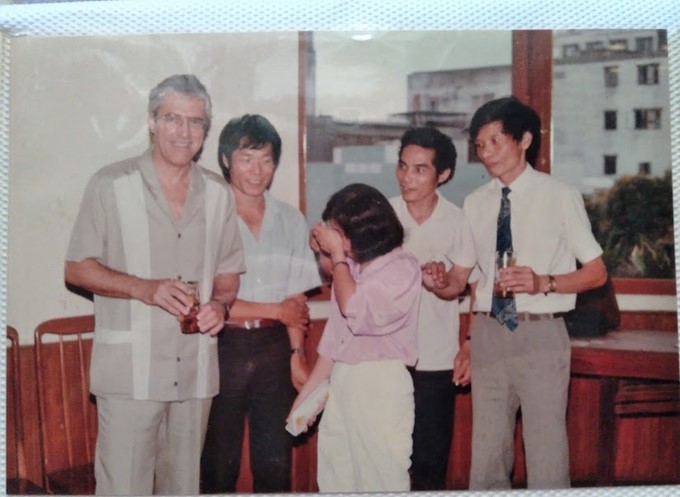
(366, 80)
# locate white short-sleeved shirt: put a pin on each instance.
(280, 263)
(550, 231)
(445, 237)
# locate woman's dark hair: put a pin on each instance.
(516, 118)
(367, 219)
(433, 139)
(248, 131)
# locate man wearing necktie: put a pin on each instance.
(520, 346)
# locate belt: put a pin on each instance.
(528, 316)
(253, 324)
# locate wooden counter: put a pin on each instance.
(643, 354)
(606, 447)
(625, 396)
(623, 419)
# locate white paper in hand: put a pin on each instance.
(309, 409)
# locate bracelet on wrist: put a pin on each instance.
(297, 350)
(344, 261)
(225, 306)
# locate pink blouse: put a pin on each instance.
(382, 314)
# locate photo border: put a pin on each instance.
(142, 17)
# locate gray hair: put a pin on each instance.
(184, 84)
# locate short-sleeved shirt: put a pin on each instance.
(382, 315)
(125, 223)
(444, 237)
(550, 231)
(280, 263)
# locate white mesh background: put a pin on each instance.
(135, 17)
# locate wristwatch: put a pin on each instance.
(552, 284)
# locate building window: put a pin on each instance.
(570, 50)
(645, 168)
(594, 46)
(644, 45)
(609, 119)
(611, 76)
(648, 74)
(609, 165)
(647, 118)
(618, 45)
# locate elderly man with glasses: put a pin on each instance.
(146, 226)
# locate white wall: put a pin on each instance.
(79, 103)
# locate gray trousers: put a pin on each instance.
(527, 368)
(148, 447)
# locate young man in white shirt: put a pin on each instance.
(437, 233)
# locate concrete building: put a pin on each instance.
(610, 102)
(611, 117)
(611, 105)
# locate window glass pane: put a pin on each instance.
(610, 119)
(611, 76)
(609, 164)
(623, 167)
(365, 89)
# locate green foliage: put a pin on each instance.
(633, 221)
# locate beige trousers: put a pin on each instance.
(365, 431)
(149, 447)
(528, 367)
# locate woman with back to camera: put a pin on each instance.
(369, 339)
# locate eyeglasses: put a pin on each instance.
(175, 122)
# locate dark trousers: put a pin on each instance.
(254, 383)
(434, 401)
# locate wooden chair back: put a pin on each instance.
(15, 461)
(68, 417)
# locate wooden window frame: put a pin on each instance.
(532, 66)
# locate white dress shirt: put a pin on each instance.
(550, 231)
